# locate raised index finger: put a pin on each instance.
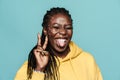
(39, 40)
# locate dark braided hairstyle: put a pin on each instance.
(51, 70)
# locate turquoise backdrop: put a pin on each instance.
(96, 30)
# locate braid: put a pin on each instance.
(51, 70)
(52, 12)
(31, 63)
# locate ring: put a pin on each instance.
(39, 45)
(45, 53)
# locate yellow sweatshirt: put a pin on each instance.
(77, 65)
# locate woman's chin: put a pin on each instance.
(61, 49)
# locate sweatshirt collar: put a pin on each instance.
(74, 52)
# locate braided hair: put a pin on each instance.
(51, 70)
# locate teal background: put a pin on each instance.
(96, 30)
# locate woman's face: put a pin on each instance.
(59, 32)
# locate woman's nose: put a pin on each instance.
(62, 31)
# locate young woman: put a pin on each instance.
(56, 57)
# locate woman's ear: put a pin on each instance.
(45, 31)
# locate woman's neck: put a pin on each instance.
(61, 54)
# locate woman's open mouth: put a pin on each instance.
(61, 42)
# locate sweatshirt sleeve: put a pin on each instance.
(94, 69)
(22, 74)
(98, 74)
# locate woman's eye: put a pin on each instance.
(56, 27)
(69, 27)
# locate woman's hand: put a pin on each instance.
(41, 55)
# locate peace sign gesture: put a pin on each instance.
(41, 55)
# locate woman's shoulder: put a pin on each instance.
(87, 56)
(24, 65)
(22, 72)
(23, 68)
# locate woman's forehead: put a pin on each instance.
(60, 18)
